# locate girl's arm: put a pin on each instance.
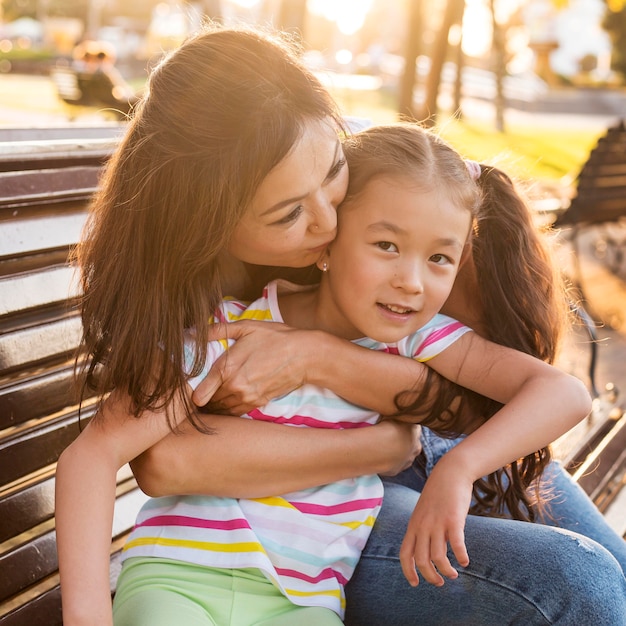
(85, 499)
(250, 459)
(540, 404)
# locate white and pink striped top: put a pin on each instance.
(306, 542)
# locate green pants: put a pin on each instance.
(160, 592)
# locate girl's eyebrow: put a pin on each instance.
(385, 226)
(288, 201)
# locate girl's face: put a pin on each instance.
(393, 263)
(293, 215)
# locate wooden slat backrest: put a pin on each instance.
(601, 184)
(45, 189)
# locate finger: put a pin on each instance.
(424, 561)
(225, 331)
(457, 544)
(439, 557)
(205, 391)
(407, 562)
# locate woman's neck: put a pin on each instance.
(234, 277)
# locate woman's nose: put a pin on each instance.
(325, 217)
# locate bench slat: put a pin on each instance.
(27, 508)
(33, 449)
(51, 185)
(34, 397)
(36, 289)
(21, 237)
(33, 345)
(43, 609)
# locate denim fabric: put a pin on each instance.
(519, 574)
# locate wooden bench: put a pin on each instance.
(599, 203)
(600, 198)
(44, 190)
(45, 186)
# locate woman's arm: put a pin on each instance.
(85, 499)
(241, 380)
(250, 459)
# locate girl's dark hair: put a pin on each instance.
(219, 113)
(521, 293)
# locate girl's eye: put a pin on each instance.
(387, 246)
(291, 217)
(336, 168)
(441, 259)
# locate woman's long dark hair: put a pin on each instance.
(220, 112)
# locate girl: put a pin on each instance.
(401, 239)
(237, 139)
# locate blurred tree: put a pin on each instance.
(13, 9)
(615, 24)
(413, 47)
(499, 58)
(438, 54)
(291, 16)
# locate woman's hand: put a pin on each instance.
(438, 519)
(266, 361)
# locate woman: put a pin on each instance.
(218, 152)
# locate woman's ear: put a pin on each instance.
(324, 262)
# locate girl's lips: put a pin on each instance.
(396, 312)
(397, 309)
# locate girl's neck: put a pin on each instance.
(312, 309)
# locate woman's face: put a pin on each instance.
(293, 215)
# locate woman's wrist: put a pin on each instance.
(322, 350)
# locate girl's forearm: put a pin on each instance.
(546, 408)
(250, 459)
(364, 377)
(85, 497)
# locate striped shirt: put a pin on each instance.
(306, 542)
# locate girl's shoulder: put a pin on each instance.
(433, 338)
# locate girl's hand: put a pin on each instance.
(438, 519)
(266, 361)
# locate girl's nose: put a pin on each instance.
(408, 277)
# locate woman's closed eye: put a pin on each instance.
(292, 216)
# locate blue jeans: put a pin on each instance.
(519, 573)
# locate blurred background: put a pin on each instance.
(419, 58)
